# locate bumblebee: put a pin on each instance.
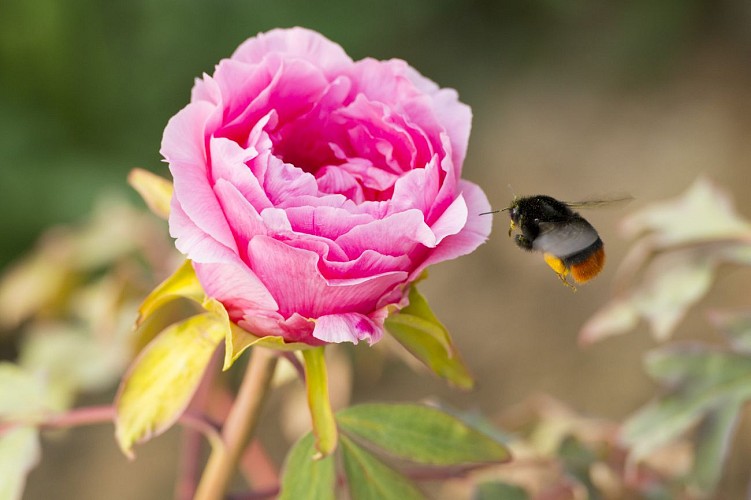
(569, 244)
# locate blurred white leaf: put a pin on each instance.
(19, 453)
(72, 361)
(24, 396)
(704, 212)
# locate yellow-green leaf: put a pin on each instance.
(182, 283)
(304, 476)
(370, 479)
(156, 191)
(316, 380)
(420, 332)
(19, 453)
(238, 340)
(162, 380)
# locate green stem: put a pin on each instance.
(239, 427)
(317, 384)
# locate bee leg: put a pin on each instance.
(559, 268)
(565, 282)
(523, 242)
(511, 228)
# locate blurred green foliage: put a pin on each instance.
(86, 86)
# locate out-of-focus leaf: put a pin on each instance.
(673, 283)
(156, 191)
(162, 380)
(680, 244)
(736, 325)
(703, 212)
(420, 434)
(304, 476)
(420, 332)
(25, 396)
(182, 283)
(701, 382)
(713, 442)
(71, 361)
(115, 231)
(34, 284)
(19, 453)
(317, 384)
(698, 367)
(617, 317)
(369, 478)
(495, 490)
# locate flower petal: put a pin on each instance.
(292, 277)
(235, 286)
(397, 234)
(183, 146)
(349, 327)
(192, 241)
(299, 43)
(474, 233)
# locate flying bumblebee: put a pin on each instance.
(569, 244)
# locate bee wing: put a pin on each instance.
(620, 200)
(565, 238)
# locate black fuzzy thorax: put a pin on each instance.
(528, 212)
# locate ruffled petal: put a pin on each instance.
(348, 327)
(235, 286)
(184, 148)
(292, 276)
(397, 234)
(295, 43)
(472, 235)
(192, 241)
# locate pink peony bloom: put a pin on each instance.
(311, 190)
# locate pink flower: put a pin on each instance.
(311, 190)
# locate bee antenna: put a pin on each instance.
(495, 211)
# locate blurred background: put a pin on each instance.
(577, 99)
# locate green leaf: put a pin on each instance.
(369, 478)
(700, 367)
(19, 453)
(701, 380)
(317, 384)
(420, 332)
(495, 490)
(161, 382)
(156, 191)
(304, 476)
(420, 434)
(714, 437)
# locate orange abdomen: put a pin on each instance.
(588, 268)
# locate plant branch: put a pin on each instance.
(240, 425)
(189, 467)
